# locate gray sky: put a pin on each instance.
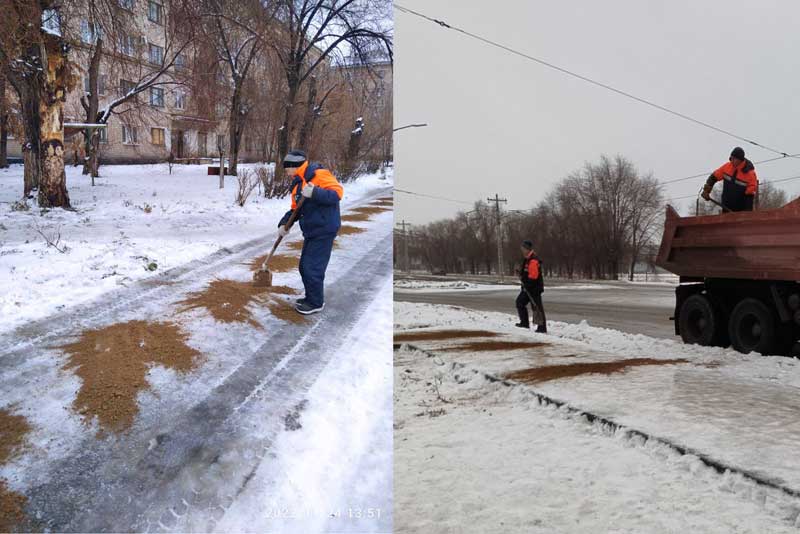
(501, 124)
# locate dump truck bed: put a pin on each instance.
(751, 245)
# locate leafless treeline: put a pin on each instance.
(596, 223)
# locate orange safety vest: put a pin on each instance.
(322, 178)
(744, 175)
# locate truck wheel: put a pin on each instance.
(752, 327)
(699, 322)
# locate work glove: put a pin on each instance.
(308, 190)
(283, 231)
(706, 194)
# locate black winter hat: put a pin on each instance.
(294, 158)
(738, 153)
(528, 244)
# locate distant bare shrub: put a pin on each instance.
(247, 182)
(274, 187)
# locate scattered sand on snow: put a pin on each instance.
(437, 335)
(13, 429)
(113, 362)
(355, 217)
(12, 434)
(495, 345)
(228, 301)
(371, 210)
(278, 264)
(554, 372)
(347, 229)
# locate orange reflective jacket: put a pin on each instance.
(743, 175)
(322, 178)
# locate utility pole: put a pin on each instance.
(497, 200)
(405, 246)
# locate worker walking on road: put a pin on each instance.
(531, 277)
(741, 182)
(319, 220)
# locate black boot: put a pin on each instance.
(523, 325)
(541, 329)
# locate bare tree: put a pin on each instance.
(236, 32)
(107, 32)
(770, 197)
(33, 53)
(314, 31)
(4, 112)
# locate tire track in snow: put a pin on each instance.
(148, 482)
(16, 343)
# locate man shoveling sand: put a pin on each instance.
(319, 220)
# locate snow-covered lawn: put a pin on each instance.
(135, 217)
(547, 470)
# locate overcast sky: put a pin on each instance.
(501, 124)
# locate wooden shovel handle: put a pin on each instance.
(288, 226)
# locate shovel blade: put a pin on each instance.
(262, 278)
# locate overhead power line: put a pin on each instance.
(433, 196)
(789, 179)
(563, 70)
(704, 174)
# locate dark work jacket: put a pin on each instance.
(319, 216)
(531, 274)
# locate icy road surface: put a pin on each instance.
(738, 411)
(635, 308)
(204, 439)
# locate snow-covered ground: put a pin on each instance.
(507, 463)
(423, 284)
(297, 415)
(135, 216)
(342, 483)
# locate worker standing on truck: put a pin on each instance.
(532, 280)
(741, 182)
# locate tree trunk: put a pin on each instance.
(283, 137)
(3, 125)
(306, 129)
(91, 105)
(235, 131)
(31, 147)
(53, 179)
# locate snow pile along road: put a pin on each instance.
(466, 431)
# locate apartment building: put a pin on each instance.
(163, 119)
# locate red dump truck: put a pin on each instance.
(739, 278)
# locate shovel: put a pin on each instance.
(262, 277)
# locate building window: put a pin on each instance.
(157, 136)
(51, 21)
(126, 4)
(180, 99)
(90, 32)
(155, 12)
(129, 136)
(180, 61)
(126, 87)
(103, 134)
(127, 44)
(156, 54)
(101, 84)
(202, 143)
(157, 97)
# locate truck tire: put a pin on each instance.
(752, 327)
(700, 322)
